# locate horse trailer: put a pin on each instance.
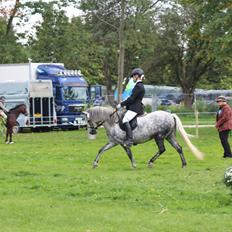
(38, 97)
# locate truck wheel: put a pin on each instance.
(45, 129)
(36, 129)
(16, 128)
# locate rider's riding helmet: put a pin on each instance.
(137, 71)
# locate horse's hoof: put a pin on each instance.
(95, 165)
(134, 166)
(150, 165)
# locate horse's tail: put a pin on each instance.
(199, 155)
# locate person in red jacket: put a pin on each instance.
(224, 124)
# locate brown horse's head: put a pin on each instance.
(19, 109)
(23, 109)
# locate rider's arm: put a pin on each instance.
(133, 96)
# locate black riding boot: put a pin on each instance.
(129, 139)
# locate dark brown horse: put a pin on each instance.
(12, 116)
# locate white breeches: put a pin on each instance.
(129, 115)
(3, 114)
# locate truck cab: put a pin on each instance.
(70, 91)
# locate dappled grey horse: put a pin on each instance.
(158, 125)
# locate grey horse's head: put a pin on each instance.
(98, 115)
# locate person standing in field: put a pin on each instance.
(224, 124)
(3, 109)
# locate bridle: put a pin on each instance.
(93, 129)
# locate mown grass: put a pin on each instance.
(203, 119)
(48, 184)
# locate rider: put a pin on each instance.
(3, 109)
(133, 103)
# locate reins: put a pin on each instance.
(98, 125)
(115, 111)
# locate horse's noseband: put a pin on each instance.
(92, 131)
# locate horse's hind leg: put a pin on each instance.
(103, 149)
(11, 132)
(130, 155)
(160, 143)
(172, 140)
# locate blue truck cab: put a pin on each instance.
(70, 91)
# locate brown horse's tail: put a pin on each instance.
(199, 155)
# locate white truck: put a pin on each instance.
(20, 72)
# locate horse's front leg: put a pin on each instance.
(130, 155)
(103, 149)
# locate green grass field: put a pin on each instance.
(48, 184)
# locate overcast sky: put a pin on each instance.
(34, 19)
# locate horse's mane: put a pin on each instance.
(16, 107)
(100, 113)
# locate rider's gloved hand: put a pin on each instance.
(118, 107)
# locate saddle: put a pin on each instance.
(133, 123)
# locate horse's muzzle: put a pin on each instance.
(92, 131)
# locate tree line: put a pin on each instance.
(185, 43)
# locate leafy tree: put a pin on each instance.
(11, 50)
(105, 20)
(102, 21)
(82, 52)
(217, 18)
(183, 48)
(9, 13)
(49, 43)
(60, 40)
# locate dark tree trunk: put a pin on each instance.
(12, 15)
(106, 70)
(121, 50)
(188, 99)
